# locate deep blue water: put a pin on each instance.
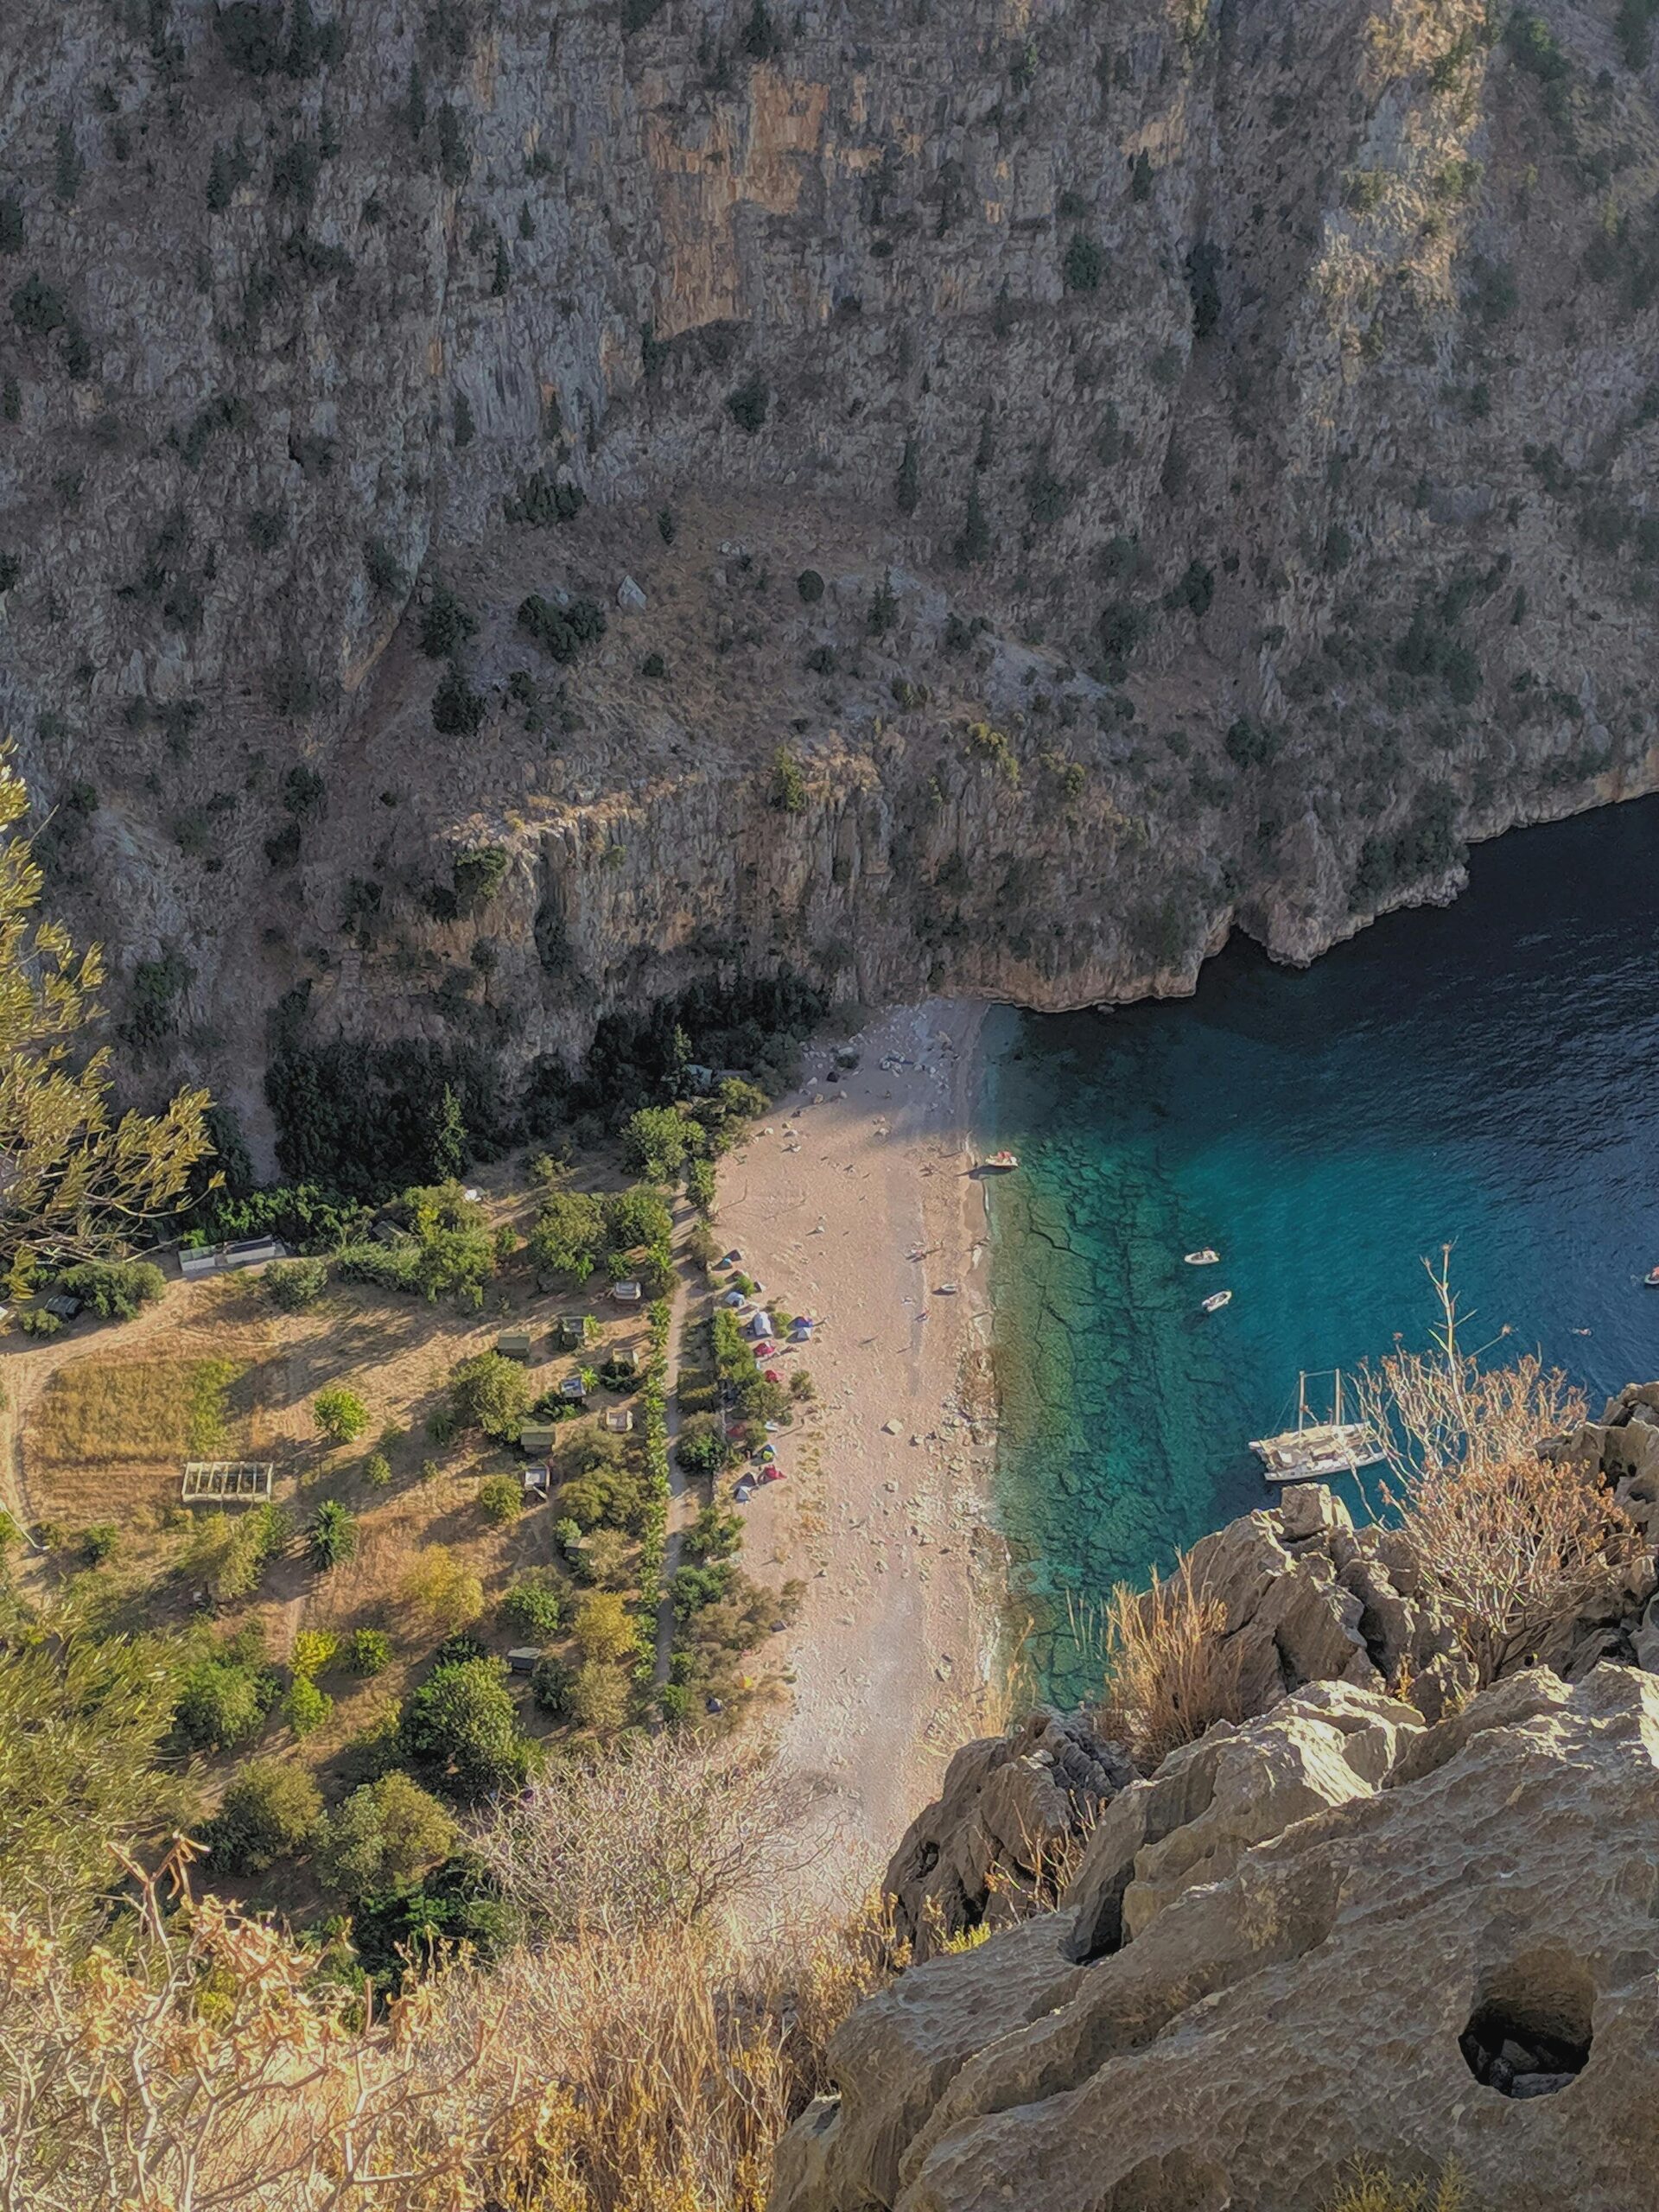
(1485, 1074)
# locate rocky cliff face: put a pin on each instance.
(1214, 439)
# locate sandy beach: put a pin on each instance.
(855, 1202)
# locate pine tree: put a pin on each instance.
(448, 1138)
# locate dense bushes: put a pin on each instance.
(386, 1834)
(117, 1290)
(270, 1809)
(489, 1392)
(561, 630)
(462, 1725)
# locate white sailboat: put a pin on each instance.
(1314, 1451)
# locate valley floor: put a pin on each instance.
(855, 1202)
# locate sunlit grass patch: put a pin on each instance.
(107, 1413)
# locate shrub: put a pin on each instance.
(457, 709)
(531, 1607)
(292, 1285)
(489, 1392)
(461, 1724)
(561, 630)
(1170, 1672)
(1084, 263)
(437, 1595)
(306, 1708)
(385, 1833)
(36, 1321)
(332, 1535)
(222, 1702)
(116, 1290)
(747, 404)
(340, 1415)
(270, 1810)
(655, 1141)
(701, 1448)
(501, 1497)
(99, 1542)
(377, 1470)
(446, 625)
(315, 1649)
(809, 584)
(368, 1651)
(788, 784)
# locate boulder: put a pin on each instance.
(1211, 1802)
(1455, 1969)
(1013, 1811)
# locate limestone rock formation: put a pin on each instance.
(1210, 1801)
(1157, 469)
(1011, 1813)
(1453, 1959)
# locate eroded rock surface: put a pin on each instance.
(1455, 1960)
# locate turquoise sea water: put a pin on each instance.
(1485, 1074)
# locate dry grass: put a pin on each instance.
(1170, 1673)
(593, 2076)
(1375, 2190)
(132, 1413)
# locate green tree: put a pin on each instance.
(601, 1626)
(489, 1392)
(568, 1235)
(500, 1499)
(78, 1185)
(448, 1150)
(269, 1812)
(306, 1708)
(341, 1415)
(599, 1696)
(223, 1702)
(655, 1141)
(386, 1834)
(332, 1534)
(531, 1607)
(462, 1724)
(292, 1285)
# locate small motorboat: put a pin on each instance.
(1214, 1303)
(1001, 1163)
(1206, 1258)
(1651, 1278)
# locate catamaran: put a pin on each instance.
(1314, 1451)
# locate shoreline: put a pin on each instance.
(854, 1201)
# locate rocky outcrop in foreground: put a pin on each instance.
(1341, 1933)
(1308, 1599)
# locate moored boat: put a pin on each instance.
(1216, 1299)
(1205, 1258)
(1002, 1162)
